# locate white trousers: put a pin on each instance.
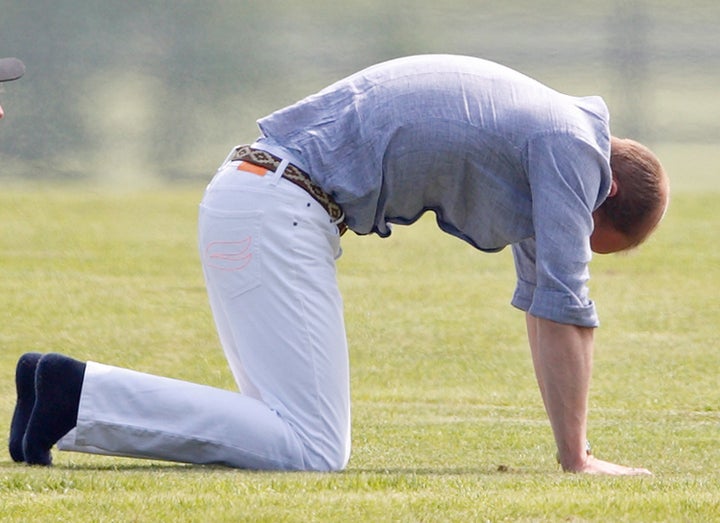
(268, 252)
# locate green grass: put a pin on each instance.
(448, 422)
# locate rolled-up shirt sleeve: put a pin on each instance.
(563, 307)
(567, 177)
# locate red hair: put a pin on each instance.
(642, 190)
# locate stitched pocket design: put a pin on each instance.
(229, 255)
(230, 249)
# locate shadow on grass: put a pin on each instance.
(201, 469)
(442, 471)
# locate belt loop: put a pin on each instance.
(279, 171)
(229, 157)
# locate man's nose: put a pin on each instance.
(1, 112)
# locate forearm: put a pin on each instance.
(562, 357)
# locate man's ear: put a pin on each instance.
(613, 188)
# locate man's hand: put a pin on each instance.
(562, 357)
(597, 466)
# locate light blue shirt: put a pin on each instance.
(500, 158)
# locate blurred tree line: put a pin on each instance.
(150, 90)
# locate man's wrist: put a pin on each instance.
(588, 451)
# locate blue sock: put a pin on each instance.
(58, 383)
(25, 385)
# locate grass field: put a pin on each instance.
(448, 422)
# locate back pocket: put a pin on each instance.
(229, 243)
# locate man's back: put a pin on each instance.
(439, 132)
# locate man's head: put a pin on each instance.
(637, 201)
(10, 69)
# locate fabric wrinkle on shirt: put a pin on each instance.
(500, 158)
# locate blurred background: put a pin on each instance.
(149, 92)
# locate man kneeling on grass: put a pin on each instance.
(500, 158)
